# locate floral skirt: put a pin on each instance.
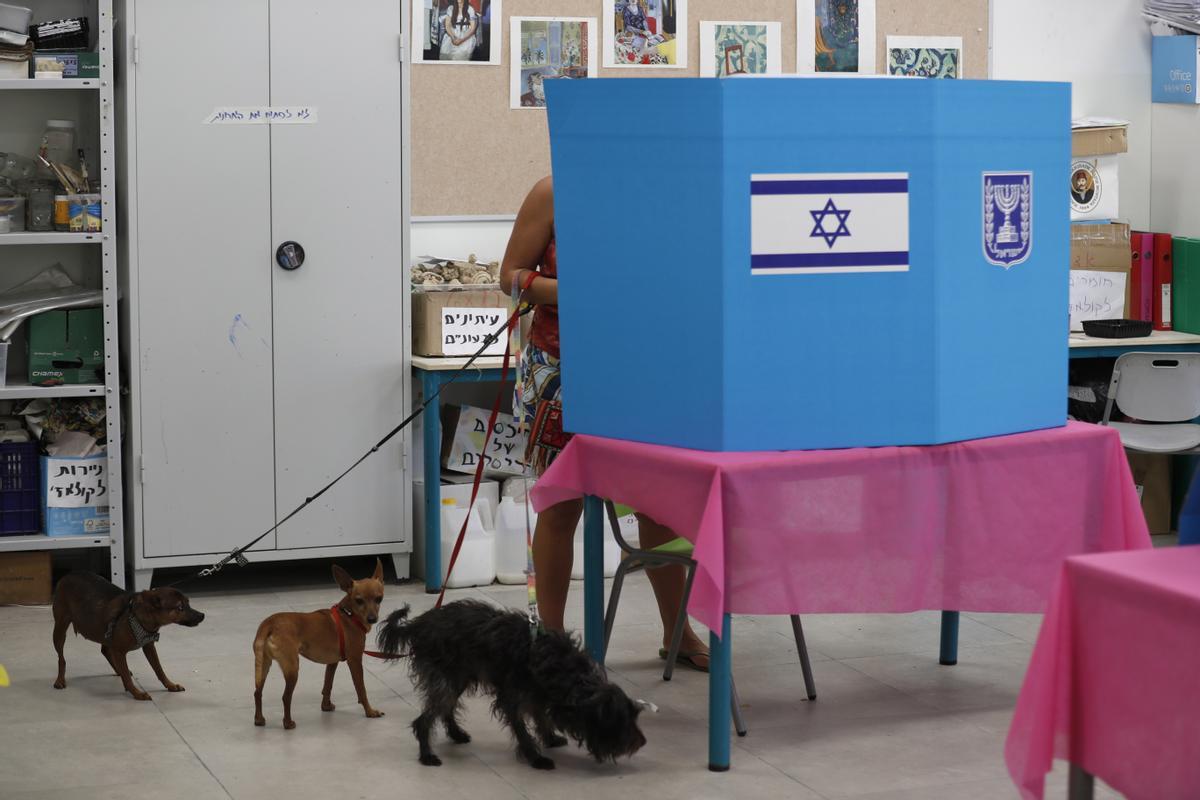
(537, 404)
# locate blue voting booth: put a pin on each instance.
(809, 263)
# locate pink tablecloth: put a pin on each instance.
(1114, 683)
(973, 526)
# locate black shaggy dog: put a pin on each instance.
(547, 680)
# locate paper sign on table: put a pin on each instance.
(505, 449)
(464, 331)
(1096, 295)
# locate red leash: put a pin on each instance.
(487, 436)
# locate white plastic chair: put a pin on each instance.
(1163, 391)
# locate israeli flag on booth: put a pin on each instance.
(822, 223)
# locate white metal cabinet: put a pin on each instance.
(253, 385)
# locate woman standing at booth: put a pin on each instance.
(532, 256)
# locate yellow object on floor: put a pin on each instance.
(3, 676)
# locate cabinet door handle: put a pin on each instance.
(289, 255)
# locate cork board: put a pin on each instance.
(474, 156)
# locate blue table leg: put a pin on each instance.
(720, 665)
(1189, 515)
(593, 577)
(432, 422)
(949, 655)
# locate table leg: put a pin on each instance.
(720, 669)
(593, 577)
(432, 445)
(1081, 785)
(949, 655)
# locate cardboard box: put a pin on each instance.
(815, 267)
(455, 323)
(1100, 281)
(1104, 140)
(66, 347)
(1152, 472)
(75, 495)
(25, 578)
(1175, 65)
(75, 65)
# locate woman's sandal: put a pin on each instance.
(687, 659)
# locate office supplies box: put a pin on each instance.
(66, 347)
(817, 263)
(25, 578)
(1101, 280)
(1095, 177)
(76, 495)
(1175, 64)
(1185, 293)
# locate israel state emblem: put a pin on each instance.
(1007, 217)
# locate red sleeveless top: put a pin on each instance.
(543, 334)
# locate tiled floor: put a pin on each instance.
(889, 722)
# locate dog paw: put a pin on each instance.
(459, 736)
(259, 722)
(328, 706)
(541, 762)
(60, 684)
(140, 696)
(175, 687)
(373, 713)
(431, 760)
(289, 724)
(556, 741)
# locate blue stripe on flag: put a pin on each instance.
(896, 258)
(850, 186)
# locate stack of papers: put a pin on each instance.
(1181, 14)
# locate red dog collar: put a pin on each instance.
(337, 623)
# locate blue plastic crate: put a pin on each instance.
(20, 488)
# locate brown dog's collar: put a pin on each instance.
(337, 623)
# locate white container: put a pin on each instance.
(12, 214)
(612, 552)
(486, 502)
(59, 138)
(511, 557)
(15, 18)
(4, 363)
(476, 565)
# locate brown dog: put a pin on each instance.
(119, 622)
(326, 637)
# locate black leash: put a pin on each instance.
(237, 556)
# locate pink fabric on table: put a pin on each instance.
(1113, 683)
(973, 526)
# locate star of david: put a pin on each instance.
(819, 218)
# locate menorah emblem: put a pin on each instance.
(1007, 217)
(1007, 198)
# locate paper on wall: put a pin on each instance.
(1096, 295)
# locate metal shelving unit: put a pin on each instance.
(101, 12)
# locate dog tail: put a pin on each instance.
(393, 633)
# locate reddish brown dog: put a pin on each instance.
(119, 622)
(327, 637)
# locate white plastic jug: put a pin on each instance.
(612, 551)
(476, 565)
(510, 540)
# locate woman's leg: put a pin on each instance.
(553, 556)
(668, 584)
